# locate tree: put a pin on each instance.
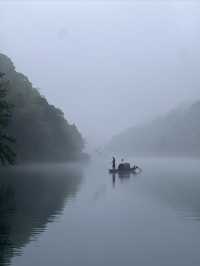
(41, 131)
(7, 155)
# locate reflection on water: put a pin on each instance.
(113, 179)
(178, 188)
(173, 183)
(113, 220)
(170, 182)
(30, 197)
(122, 177)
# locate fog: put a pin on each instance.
(107, 65)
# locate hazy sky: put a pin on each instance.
(108, 66)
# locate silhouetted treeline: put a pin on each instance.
(7, 155)
(176, 133)
(40, 129)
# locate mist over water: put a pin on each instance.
(81, 82)
(60, 214)
(108, 65)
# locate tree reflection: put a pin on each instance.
(30, 198)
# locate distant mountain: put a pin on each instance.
(40, 129)
(176, 133)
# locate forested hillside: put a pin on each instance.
(40, 130)
(176, 133)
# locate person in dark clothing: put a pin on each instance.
(113, 162)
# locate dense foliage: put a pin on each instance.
(7, 155)
(40, 129)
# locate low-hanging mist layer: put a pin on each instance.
(40, 129)
(176, 133)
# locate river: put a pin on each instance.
(80, 215)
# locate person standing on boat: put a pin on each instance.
(113, 162)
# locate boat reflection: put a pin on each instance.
(122, 176)
(113, 179)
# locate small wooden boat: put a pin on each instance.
(133, 170)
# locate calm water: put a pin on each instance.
(65, 215)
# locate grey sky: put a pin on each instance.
(107, 65)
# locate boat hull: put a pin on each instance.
(127, 171)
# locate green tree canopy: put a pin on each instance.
(7, 155)
(41, 131)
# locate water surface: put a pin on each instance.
(66, 215)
